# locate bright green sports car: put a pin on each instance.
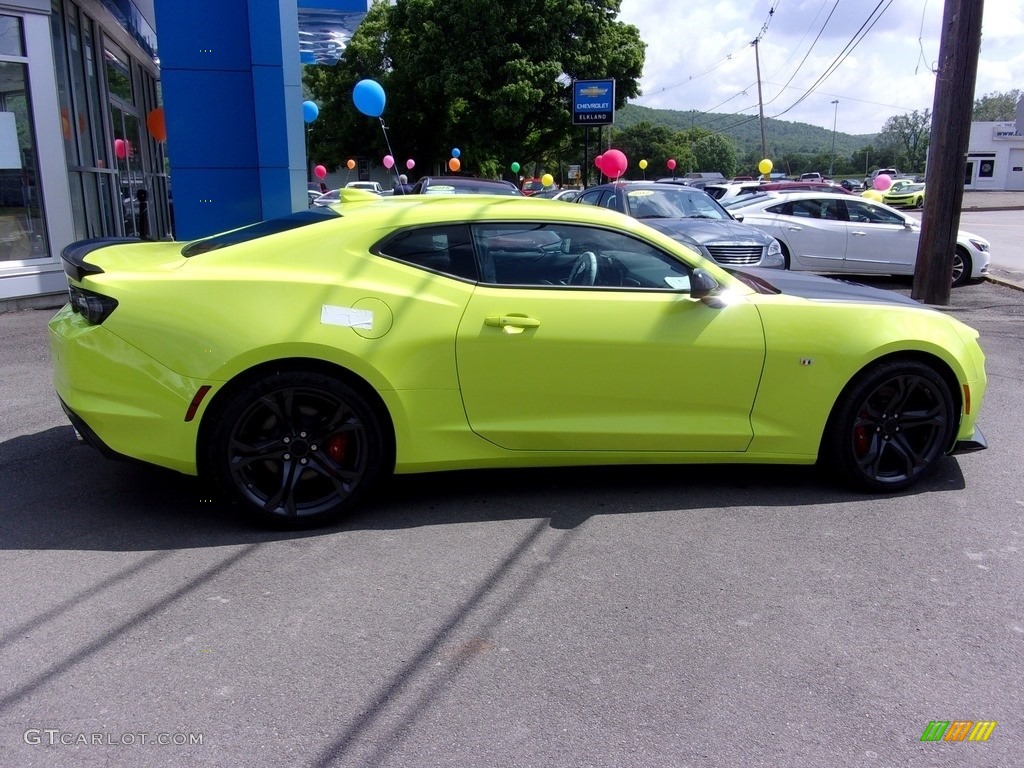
(299, 361)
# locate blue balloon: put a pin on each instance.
(456, 151)
(369, 97)
(310, 111)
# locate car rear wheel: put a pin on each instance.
(890, 426)
(961, 267)
(297, 449)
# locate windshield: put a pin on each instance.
(670, 203)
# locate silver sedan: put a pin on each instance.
(822, 232)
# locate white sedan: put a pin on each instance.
(827, 232)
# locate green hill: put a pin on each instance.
(783, 138)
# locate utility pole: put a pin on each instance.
(760, 99)
(947, 149)
(835, 117)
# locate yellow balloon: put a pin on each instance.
(643, 165)
(547, 179)
(765, 166)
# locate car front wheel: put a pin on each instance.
(961, 267)
(890, 426)
(297, 449)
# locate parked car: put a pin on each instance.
(321, 352)
(691, 217)
(729, 191)
(463, 185)
(823, 232)
(852, 185)
(811, 177)
(566, 195)
(869, 180)
(327, 198)
(369, 186)
(532, 186)
(906, 196)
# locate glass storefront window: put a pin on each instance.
(119, 73)
(11, 43)
(22, 234)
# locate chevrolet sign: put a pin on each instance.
(593, 102)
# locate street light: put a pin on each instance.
(832, 162)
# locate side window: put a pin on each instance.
(589, 198)
(445, 249)
(571, 257)
(782, 209)
(863, 212)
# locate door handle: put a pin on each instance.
(511, 323)
(793, 228)
(859, 234)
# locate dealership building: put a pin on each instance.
(96, 120)
(995, 157)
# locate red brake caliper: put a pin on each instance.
(861, 438)
(336, 447)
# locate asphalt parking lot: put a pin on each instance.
(634, 616)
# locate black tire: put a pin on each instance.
(961, 267)
(890, 426)
(297, 449)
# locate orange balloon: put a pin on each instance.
(351, 164)
(156, 124)
(454, 164)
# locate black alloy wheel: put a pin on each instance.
(297, 449)
(890, 426)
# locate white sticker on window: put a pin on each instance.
(678, 282)
(348, 317)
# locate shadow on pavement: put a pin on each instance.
(60, 494)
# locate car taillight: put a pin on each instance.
(92, 306)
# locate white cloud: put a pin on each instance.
(700, 57)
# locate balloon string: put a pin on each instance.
(387, 141)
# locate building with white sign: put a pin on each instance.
(995, 157)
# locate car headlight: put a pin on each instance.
(774, 257)
(981, 245)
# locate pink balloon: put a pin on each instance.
(671, 164)
(882, 182)
(598, 160)
(410, 163)
(389, 161)
(120, 148)
(614, 163)
(320, 171)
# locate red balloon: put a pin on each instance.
(320, 171)
(598, 160)
(671, 164)
(614, 163)
(120, 148)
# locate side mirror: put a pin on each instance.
(702, 284)
(737, 216)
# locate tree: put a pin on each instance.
(996, 107)
(491, 79)
(711, 151)
(907, 136)
(654, 143)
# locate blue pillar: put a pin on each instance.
(232, 94)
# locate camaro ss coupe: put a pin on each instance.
(298, 361)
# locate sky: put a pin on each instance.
(875, 58)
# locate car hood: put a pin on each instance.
(709, 230)
(818, 288)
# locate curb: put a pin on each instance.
(1006, 282)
